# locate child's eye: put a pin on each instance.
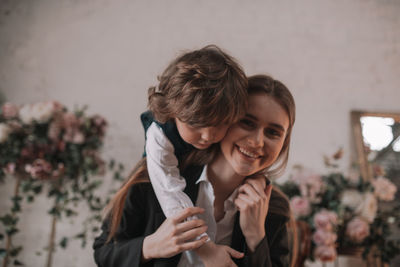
(246, 123)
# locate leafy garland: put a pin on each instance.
(46, 148)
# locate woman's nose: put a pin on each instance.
(256, 138)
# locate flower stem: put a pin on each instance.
(51, 241)
(9, 240)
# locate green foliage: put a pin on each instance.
(44, 146)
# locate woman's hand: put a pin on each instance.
(175, 235)
(253, 202)
(213, 255)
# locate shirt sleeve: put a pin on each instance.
(164, 173)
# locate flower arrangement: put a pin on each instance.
(43, 145)
(342, 211)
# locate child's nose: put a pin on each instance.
(208, 135)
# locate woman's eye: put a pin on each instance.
(273, 133)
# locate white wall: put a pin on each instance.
(335, 56)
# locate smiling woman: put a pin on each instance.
(244, 216)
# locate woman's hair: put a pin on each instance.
(281, 94)
(114, 209)
(202, 88)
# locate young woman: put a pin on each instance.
(244, 217)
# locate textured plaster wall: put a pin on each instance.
(335, 56)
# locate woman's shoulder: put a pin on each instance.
(140, 194)
(141, 189)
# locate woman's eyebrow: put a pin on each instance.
(278, 126)
(275, 125)
(251, 117)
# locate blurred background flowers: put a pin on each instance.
(45, 146)
(346, 214)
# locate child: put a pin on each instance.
(199, 95)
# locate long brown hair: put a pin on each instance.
(114, 209)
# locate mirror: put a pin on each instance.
(377, 139)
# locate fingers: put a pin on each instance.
(251, 192)
(234, 253)
(188, 212)
(187, 225)
(193, 244)
(260, 179)
(246, 198)
(241, 204)
(191, 234)
(258, 185)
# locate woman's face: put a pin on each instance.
(254, 143)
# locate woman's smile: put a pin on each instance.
(248, 154)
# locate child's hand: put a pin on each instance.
(212, 255)
(175, 235)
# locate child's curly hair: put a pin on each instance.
(202, 88)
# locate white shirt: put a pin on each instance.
(219, 232)
(164, 174)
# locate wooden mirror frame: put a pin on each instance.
(365, 168)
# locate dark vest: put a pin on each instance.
(181, 148)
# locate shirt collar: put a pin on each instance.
(229, 203)
(203, 176)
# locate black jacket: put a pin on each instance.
(142, 215)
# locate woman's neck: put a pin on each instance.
(223, 178)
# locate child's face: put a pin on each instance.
(201, 138)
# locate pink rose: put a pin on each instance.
(78, 137)
(368, 207)
(40, 169)
(300, 206)
(357, 229)
(325, 253)
(325, 220)
(384, 189)
(9, 110)
(321, 237)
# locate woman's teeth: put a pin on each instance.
(248, 153)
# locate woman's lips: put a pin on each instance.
(249, 155)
